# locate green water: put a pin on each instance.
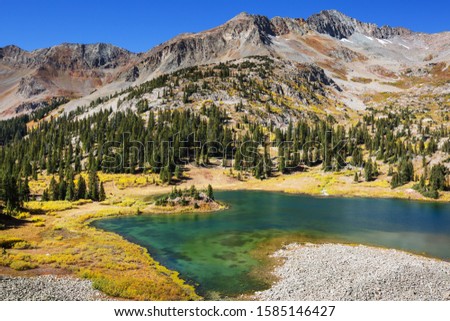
(212, 251)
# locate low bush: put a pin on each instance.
(22, 265)
(9, 243)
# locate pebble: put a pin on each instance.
(336, 272)
(48, 288)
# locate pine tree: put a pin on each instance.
(368, 171)
(34, 171)
(81, 188)
(53, 190)
(168, 175)
(102, 194)
(395, 180)
(93, 185)
(62, 189)
(210, 192)
(70, 192)
(390, 171)
(25, 190)
(282, 165)
(9, 192)
(406, 172)
(438, 177)
(45, 196)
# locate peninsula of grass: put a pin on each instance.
(57, 236)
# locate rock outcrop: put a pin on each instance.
(29, 87)
(338, 25)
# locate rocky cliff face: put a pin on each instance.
(29, 87)
(67, 70)
(338, 25)
(67, 56)
(243, 35)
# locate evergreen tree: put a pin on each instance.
(395, 180)
(53, 190)
(34, 171)
(210, 192)
(102, 194)
(70, 192)
(368, 171)
(81, 191)
(62, 189)
(438, 177)
(25, 190)
(93, 185)
(406, 172)
(9, 192)
(45, 195)
(282, 165)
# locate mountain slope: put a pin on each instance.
(68, 70)
(363, 59)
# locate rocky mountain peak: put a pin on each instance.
(242, 15)
(257, 24)
(74, 56)
(338, 25)
(12, 54)
(67, 56)
(10, 50)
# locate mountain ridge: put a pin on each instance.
(344, 47)
(312, 20)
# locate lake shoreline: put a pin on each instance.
(352, 193)
(313, 182)
(115, 211)
(292, 277)
(339, 272)
(123, 262)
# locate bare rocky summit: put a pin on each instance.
(338, 25)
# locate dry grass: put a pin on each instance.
(67, 241)
(123, 181)
(361, 80)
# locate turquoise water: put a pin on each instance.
(212, 250)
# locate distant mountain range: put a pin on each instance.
(356, 64)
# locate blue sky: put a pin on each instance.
(138, 25)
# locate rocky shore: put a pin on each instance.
(334, 272)
(47, 288)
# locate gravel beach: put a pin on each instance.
(334, 272)
(47, 288)
(328, 272)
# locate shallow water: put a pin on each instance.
(213, 250)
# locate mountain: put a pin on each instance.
(338, 25)
(357, 62)
(67, 70)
